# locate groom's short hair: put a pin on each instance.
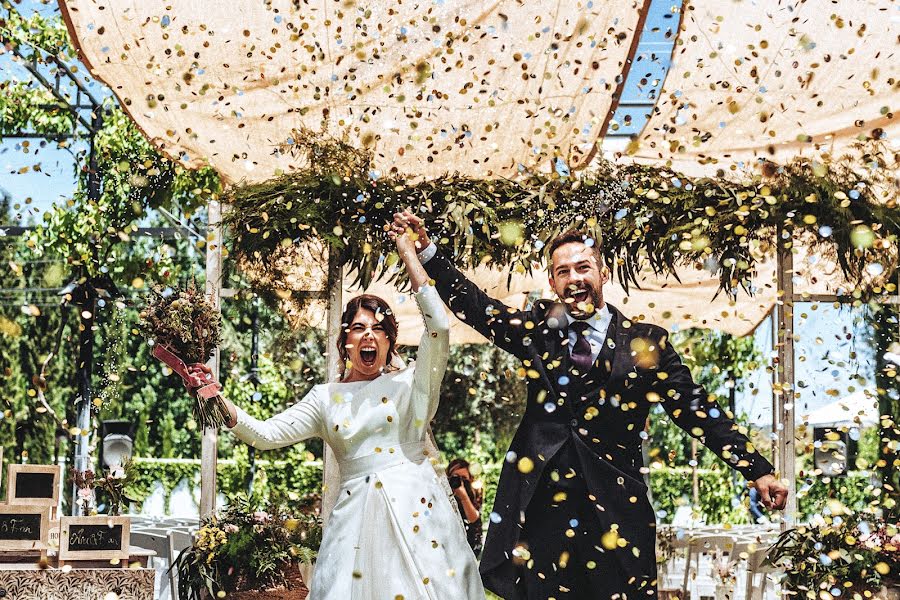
(568, 237)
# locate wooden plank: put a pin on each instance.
(209, 443)
(783, 396)
(335, 308)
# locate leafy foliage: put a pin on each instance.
(249, 546)
(718, 361)
(856, 552)
(647, 217)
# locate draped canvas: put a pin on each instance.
(481, 88)
(689, 301)
(754, 79)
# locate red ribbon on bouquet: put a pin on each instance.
(206, 390)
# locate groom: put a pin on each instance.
(571, 519)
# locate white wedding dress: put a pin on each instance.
(394, 532)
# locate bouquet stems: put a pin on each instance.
(210, 412)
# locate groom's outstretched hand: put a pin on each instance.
(408, 220)
(772, 492)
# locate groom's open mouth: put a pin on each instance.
(579, 296)
(368, 356)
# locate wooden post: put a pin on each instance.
(784, 392)
(333, 328)
(209, 443)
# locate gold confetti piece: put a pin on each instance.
(610, 540)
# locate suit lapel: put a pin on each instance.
(621, 352)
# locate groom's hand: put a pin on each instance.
(772, 492)
(408, 220)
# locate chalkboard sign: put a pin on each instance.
(94, 538)
(24, 527)
(35, 485)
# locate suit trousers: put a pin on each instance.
(564, 538)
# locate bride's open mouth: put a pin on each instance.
(368, 356)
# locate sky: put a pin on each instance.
(823, 350)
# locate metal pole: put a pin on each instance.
(335, 285)
(783, 414)
(86, 306)
(209, 443)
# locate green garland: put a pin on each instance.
(648, 216)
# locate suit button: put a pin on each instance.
(574, 422)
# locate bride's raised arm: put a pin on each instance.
(434, 346)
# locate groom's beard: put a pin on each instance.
(591, 302)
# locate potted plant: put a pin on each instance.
(841, 555)
(250, 551)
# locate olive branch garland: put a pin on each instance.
(646, 216)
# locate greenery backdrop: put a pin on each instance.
(85, 238)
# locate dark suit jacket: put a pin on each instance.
(602, 419)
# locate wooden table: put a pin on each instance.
(83, 581)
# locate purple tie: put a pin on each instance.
(581, 351)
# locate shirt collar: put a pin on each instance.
(594, 320)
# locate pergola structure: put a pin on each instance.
(492, 90)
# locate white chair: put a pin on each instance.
(754, 568)
(178, 541)
(698, 545)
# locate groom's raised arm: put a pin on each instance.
(502, 325)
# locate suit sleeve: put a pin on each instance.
(299, 422)
(502, 325)
(692, 409)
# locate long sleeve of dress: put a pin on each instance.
(299, 422)
(434, 348)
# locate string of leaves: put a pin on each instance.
(648, 217)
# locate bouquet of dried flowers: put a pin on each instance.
(185, 327)
(113, 484)
(117, 479)
(86, 497)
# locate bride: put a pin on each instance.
(393, 533)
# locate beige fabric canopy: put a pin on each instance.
(487, 88)
(692, 302)
(774, 80)
(481, 88)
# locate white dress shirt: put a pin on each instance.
(598, 325)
